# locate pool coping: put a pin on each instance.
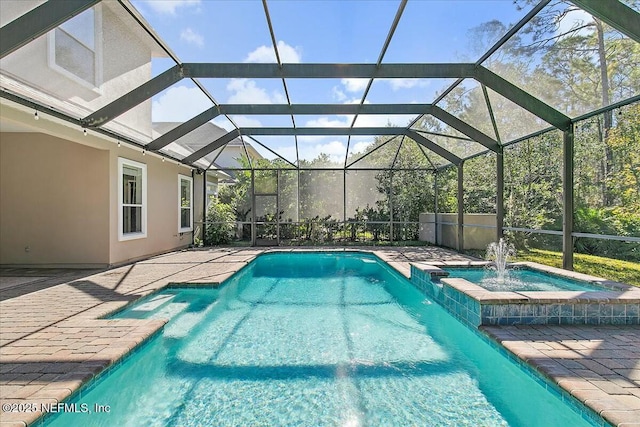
(94, 363)
(600, 385)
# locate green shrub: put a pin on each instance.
(611, 221)
(221, 223)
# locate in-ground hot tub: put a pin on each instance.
(553, 296)
(520, 279)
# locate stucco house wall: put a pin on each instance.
(59, 196)
(52, 211)
(162, 208)
(59, 188)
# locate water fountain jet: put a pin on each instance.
(500, 252)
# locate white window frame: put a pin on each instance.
(122, 162)
(190, 180)
(97, 50)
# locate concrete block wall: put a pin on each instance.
(445, 232)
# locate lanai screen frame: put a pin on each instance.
(49, 15)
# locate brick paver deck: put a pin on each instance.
(52, 339)
(599, 365)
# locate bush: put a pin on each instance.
(221, 223)
(611, 221)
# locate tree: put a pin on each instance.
(480, 184)
(321, 190)
(574, 63)
(533, 186)
(624, 140)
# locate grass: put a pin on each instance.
(607, 268)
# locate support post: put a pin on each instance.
(193, 207)
(203, 229)
(253, 208)
(344, 203)
(298, 204)
(278, 206)
(391, 193)
(460, 239)
(499, 193)
(435, 206)
(567, 198)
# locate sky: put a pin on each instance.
(332, 31)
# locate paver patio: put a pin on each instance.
(52, 339)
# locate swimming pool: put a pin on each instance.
(520, 279)
(313, 340)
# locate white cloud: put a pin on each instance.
(261, 54)
(397, 84)
(222, 122)
(338, 94)
(179, 104)
(354, 85)
(310, 147)
(359, 147)
(191, 37)
(246, 91)
(358, 85)
(247, 122)
(288, 54)
(363, 120)
(312, 139)
(170, 6)
(335, 149)
(308, 151)
(382, 120)
(327, 122)
(286, 151)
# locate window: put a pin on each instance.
(185, 203)
(132, 199)
(73, 50)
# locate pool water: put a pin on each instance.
(314, 340)
(520, 280)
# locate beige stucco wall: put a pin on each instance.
(447, 234)
(479, 237)
(53, 201)
(59, 196)
(162, 208)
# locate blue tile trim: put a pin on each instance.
(462, 305)
(96, 379)
(587, 413)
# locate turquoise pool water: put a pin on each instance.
(314, 340)
(520, 280)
